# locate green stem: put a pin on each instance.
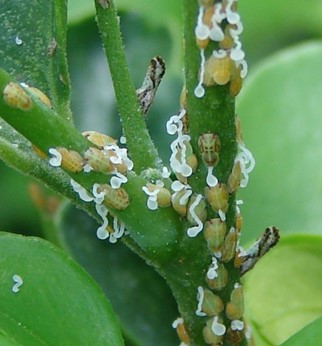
(154, 232)
(137, 136)
(59, 82)
(213, 113)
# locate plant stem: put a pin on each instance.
(212, 113)
(137, 136)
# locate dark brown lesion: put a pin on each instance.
(255, 252)
(150, 83)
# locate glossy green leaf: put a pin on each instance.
(33, 47)
(281, 116)
(307, 336)
(283, 291)
(135, 290)
(57, 301)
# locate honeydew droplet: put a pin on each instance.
(237, 325)
(233, 17)
(18, 41)
(202, 31)
(211, 179)
(237, 54)
(186, 170)
(177, 186)
(218, 328)
(216, 34)
(152, 203)
(118, 180)
(102, 233)
(199, 91)
(194, 231)
(165, 172)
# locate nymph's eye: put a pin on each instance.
(15, 97)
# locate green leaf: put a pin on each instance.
(57, 301)
(307, 336)
(283, 291)
(134, 289)
(281, 117)
(33, 47)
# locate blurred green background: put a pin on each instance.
(280, 108)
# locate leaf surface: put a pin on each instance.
(283, 291)
(56, 303)
(135, 290)
(281, 117)
(33, 47)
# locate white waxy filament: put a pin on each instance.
(102, 232)
(211, 178)
(56, 160)
(237, 325)
(98, 196)
(17, 283)
(218, 328)
(119, 229)
(117, 180)
(152, 203)
(200, 297)
(212, 271)
(195, 230)
(199, 90)
(82, 193)
(177, 321)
